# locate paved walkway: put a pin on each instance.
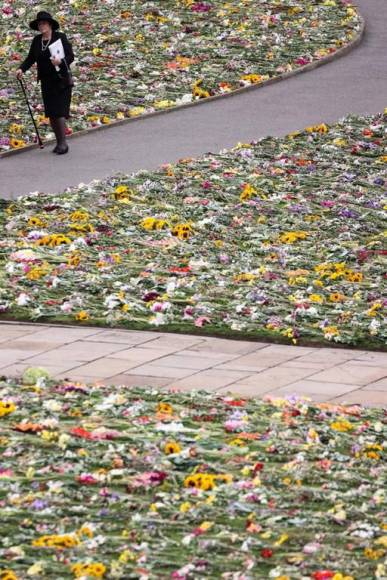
(186, 362)
(355, 83)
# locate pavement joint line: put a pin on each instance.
(283, 76)
(376, 381)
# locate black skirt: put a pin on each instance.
(55, 98)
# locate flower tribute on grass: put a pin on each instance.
(99, 481)
(281, 239)
(138, 57)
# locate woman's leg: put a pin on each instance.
(58, 125)
(54, 127)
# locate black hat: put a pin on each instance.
(44, 16)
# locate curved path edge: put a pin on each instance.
(308, 67)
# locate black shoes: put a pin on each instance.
(61, 149)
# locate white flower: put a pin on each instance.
(157, 319)
(52, 405)
(173, 427)
(187, 98)
(111, 301)
(22, 299)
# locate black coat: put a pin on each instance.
(46, 69)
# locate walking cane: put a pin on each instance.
(32, 116)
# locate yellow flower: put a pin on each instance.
(151, 223)
(79, 216)
(182, 231)
(85, 530)
(248, 192)
(354, 276)
(205, 526)
(255, 79)
(373, 311)
(37, 273)
(53, 240)
(336, 297)
(317, 128)
(382, 541)
(237, 443)
(165, 408)
(96, 570)
(136, 111)
(206, 481)
(185, 507)
(284, 538)
(316, 298)
(340, 142)
(171, 447)
(82, 315)
(343, 425)
(291, 237)
(16, 143)
(331, 331)
(15, 128)
(163, 104)
(34, 221)
(6, 408)
(73, 260)
(197, 91)
(8, 575)
(127, 556)
(373, 554)
(244, 277)
(64, 541)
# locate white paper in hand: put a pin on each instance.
(57, 51)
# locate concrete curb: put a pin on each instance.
(334, 56)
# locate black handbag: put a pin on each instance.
(66, 78)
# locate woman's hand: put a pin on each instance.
(19, 73)
(56, 61)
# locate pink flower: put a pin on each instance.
(201, 321)
(86, 479)
(200, 7)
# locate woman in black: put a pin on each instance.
(53, 74)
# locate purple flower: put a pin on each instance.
(348, 213)
(39, 504)
(200, 7)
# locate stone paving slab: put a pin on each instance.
(251, 369)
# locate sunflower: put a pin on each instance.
(171, 447)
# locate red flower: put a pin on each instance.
(86, 479)
(80, 432)
(233, 403)
(266, 553)
(258, 466)
(323, 575)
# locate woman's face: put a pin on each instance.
(44, 27)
